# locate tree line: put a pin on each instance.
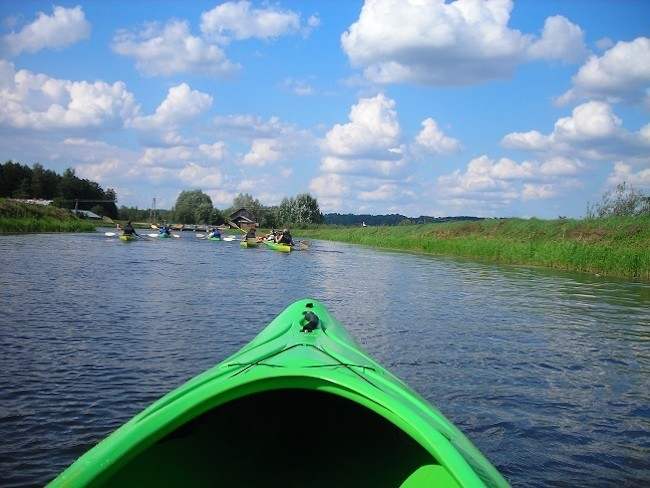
(192, 206)
(195, 207)
(66, 191)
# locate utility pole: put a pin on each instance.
(153, 219)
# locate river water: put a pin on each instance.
(546, 372)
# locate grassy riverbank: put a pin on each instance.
(19, 217)
(615, 246)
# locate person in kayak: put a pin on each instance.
(250, 234)
(284, 238)
(214, 232)
(128, 230)
(164, 229)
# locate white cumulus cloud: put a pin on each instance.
(65, 27)
(172, 49)
(592, 131)
(329, 186)
(181, 105)
(38, 102)
(460, 42)
(240, 20)
(621, 74)
(263, 152)
(373, 131)
(434, 140)
(625, 173)
(505, 180)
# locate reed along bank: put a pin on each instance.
(612, 246)
(18, 217)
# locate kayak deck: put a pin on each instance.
(300, 405)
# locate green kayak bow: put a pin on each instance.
(300, 406)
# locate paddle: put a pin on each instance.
(153, 226)
(236, 226)
(110, 234)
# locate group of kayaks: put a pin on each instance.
(247, 243)
(301, 405)
(135, 237)
(256, 242)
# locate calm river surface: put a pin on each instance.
(546, 372)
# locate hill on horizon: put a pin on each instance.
(388, 219)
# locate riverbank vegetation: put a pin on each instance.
(21, 217)
(613, 246)
(19, 181)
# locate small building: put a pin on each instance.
(243, 218)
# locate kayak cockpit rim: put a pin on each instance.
(336, 417)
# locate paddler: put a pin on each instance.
(250, 234)
(128, 230)
(284, 238)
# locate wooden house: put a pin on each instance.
(243, 218)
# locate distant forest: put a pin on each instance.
(66, 191)
(390, 219)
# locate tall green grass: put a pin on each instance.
(19, 217)
(616, 246)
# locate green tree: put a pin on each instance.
(38, 183)
(307, 210)
(68, 189)
(268, 217)
(303, 209)
(623, 201)
(12, 176)
(203, 213)
(285, 211)
(188, 203)
(247, 201)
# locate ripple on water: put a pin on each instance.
(546, 372)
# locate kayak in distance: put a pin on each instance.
(128, 237)
(278, 247)
(301, 405)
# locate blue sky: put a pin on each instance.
(420, 107)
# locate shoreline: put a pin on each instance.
(613, 246)
(616, 246)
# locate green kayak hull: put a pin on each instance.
(128, 238)
(278, 247)
(300, 406)
(164, 236)
(214, 238)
